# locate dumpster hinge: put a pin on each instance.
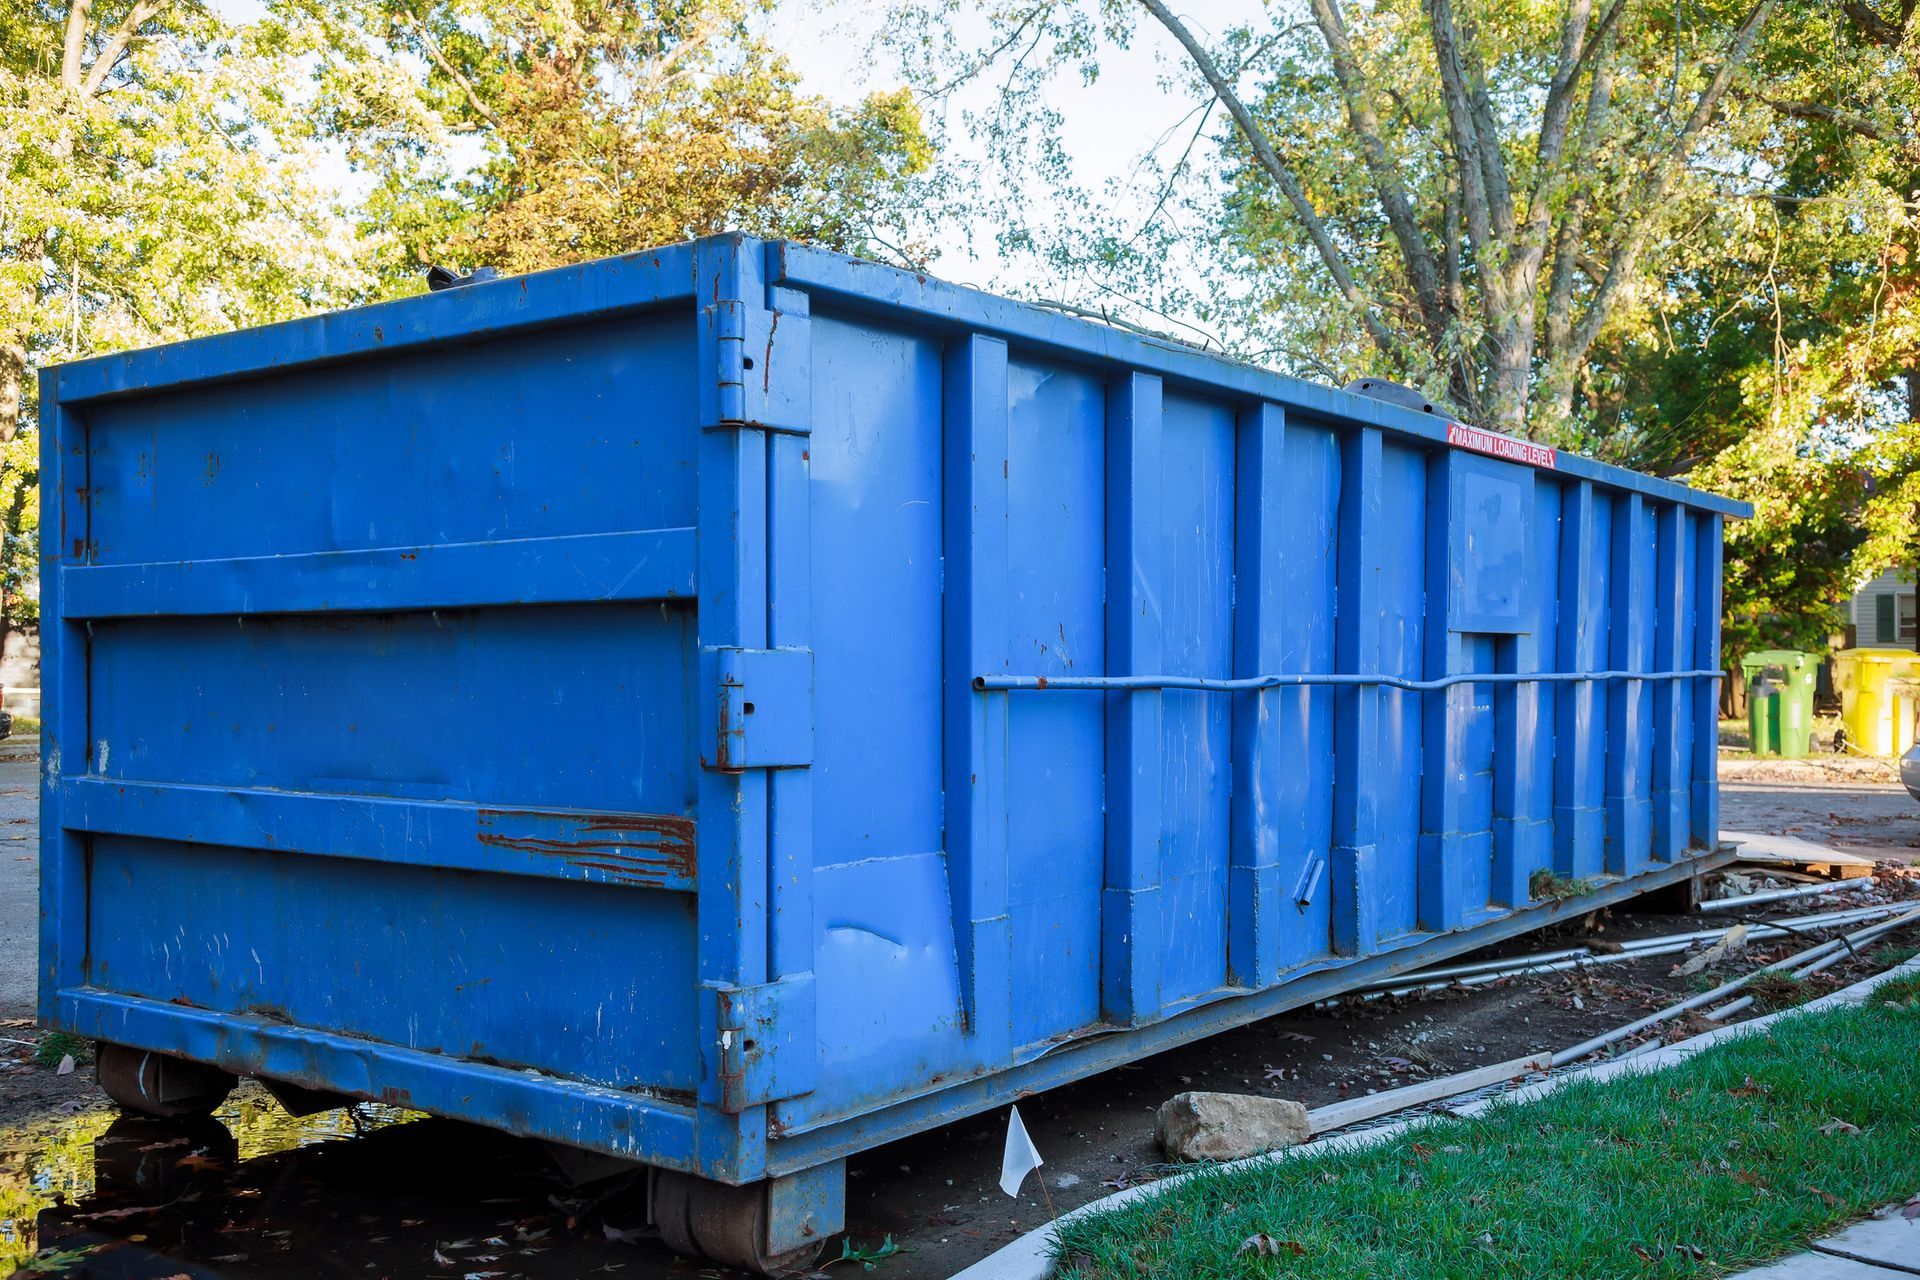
(762, 360)
(760, 713)
(767, 1047)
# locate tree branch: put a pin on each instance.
(1460, 123)
(1833, 115)
(123, 36)
(1428, 290)
(1282, 176)
(440, 60)
(75, 42)
(1659, 181)
(1874, 27)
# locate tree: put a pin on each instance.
(522, 135)
(1777, 359)
(1481, 188)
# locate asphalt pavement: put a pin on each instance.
(19, 873)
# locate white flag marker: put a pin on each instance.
(1021, 1157)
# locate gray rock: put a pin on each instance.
(1228, 1126)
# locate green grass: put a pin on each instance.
(1546, 884)
(24, 726)
(1902, 993)
(56, 1045)
(1713, 1165)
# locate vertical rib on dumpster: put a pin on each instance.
(1130, 926)
(1672, 699)
(732, 603)
(64, 539)
(1454, 860)
(1522, 836)
(1258, 917)
(786, 383)
(1356, 734)
(975, 731)
(1629, 832)
(1705, 602)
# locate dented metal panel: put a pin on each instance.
(733, 705)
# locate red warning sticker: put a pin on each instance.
(1462, 436)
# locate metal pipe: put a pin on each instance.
(1480, 972)
(1776, 895)
(1721, 992)
(1864, 936)
(1803, 962)
(1338, 679)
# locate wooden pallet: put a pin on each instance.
(1790, 853)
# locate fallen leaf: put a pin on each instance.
(1266, 1246)
(66, 1065)
(1833, 1201)
(1832, 1127)
(620, 1236)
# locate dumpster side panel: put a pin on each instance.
(1392, 890)
(1537, 711)
(1302, 812)
(1056, 460)
(447, 445)
(389, 697)
(1196, 616)
(889, 1001)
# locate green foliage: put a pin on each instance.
(525, 136)
(1696, 1170)
(868, 1259)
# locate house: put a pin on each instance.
(1882, 612)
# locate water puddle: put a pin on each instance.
(57, 1164)
(256, 1192)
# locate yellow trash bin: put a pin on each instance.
(1878, 691)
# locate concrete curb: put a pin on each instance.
(1030, 1257)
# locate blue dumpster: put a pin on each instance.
(730, 706)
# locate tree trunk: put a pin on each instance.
(21, 300)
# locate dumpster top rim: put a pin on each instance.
(655, 277)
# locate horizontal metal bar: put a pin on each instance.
(643, 564)
(615, 1121)
(638, 850)
(565, 295)
(1337, 679)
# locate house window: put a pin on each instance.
(1907, 619)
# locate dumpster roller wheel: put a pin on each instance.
(159, 1084)
(724, 1223)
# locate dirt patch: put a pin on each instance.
(1815, 770)
(29, 1089)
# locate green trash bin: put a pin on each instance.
(1780, 701)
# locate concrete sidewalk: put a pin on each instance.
(1878, 1249)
